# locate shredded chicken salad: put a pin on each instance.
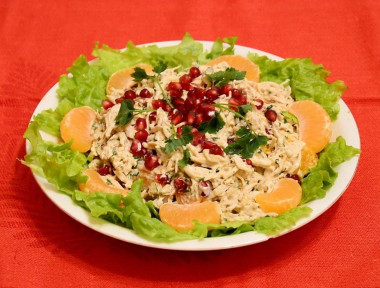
(210, 174)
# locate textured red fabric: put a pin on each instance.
(40, 246)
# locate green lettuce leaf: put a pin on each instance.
(277, 224)
(307, 80)
(323, 176)
(86, 84)
(59, 164)
(183, 54)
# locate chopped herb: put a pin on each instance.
(215, 138)
(108, 182)
(185, 160)
(289, 117)
(243, 109)
(269, 107)
(246, 144)
(213, 126)
(134, 173)
(172, 143)
(221, 78)
(127, 112)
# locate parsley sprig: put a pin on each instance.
(213, 125)
(248, 140)
(246, 144)
(185, 160)
(140, 74)
(173, 142)
(127, 112)
(221, 78)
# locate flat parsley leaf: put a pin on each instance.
(172, 143)
(125, 114)
(185, 160)
(243, 109)
(213, 126)
(246, 144)
(161, 67)
(221, 78)
(139, 74)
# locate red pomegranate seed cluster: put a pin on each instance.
(104, 170)
(129, 94)
(137, 149)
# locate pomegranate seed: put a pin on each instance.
(248, 161)
(119, 100)
(178, 102)
(151, 161)
(207, 144)
(242, 99)
(198, 138)
(207, 107)
(107, 104)
(163, 179)
(130, 94)
(152, 116)
(295, 177)
(200, 93)
(104, 170)
(145, 93)
(190, 117)
(185, 81)
(234, 102)
(212, 94)
(158, 104)
(140, 124)
(235, 93)
(230, 140)
(269, 131)
(167, 107)
(226, 89)
(180, 185)
(174, 86)
(205, 188)
(216, 150)
(207, 115)
(175, 116)
(261, 104)
(192, 94)
(194, 72)
(179, 130)
(175, 93)
(137, 148)
(199, 118)
(141, 135)
(193, 130)
(271, 115)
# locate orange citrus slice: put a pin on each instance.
(122, 79)
(285, 196)
(315, 125)
(180, 217)
(239, 63)
(95, 183)
(308, 160)
(76, 126)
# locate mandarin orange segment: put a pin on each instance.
(315, 125)
(76, 125)
(239, 63)
(180, 217)
(95, 183)
(122, 79)
(285, 196)
(308, 160)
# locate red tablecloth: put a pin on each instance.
(40, 246)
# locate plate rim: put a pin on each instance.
(115, 231)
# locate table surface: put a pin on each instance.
(43, 247)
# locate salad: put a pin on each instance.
(179, 143)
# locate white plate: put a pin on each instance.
(344, 126)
